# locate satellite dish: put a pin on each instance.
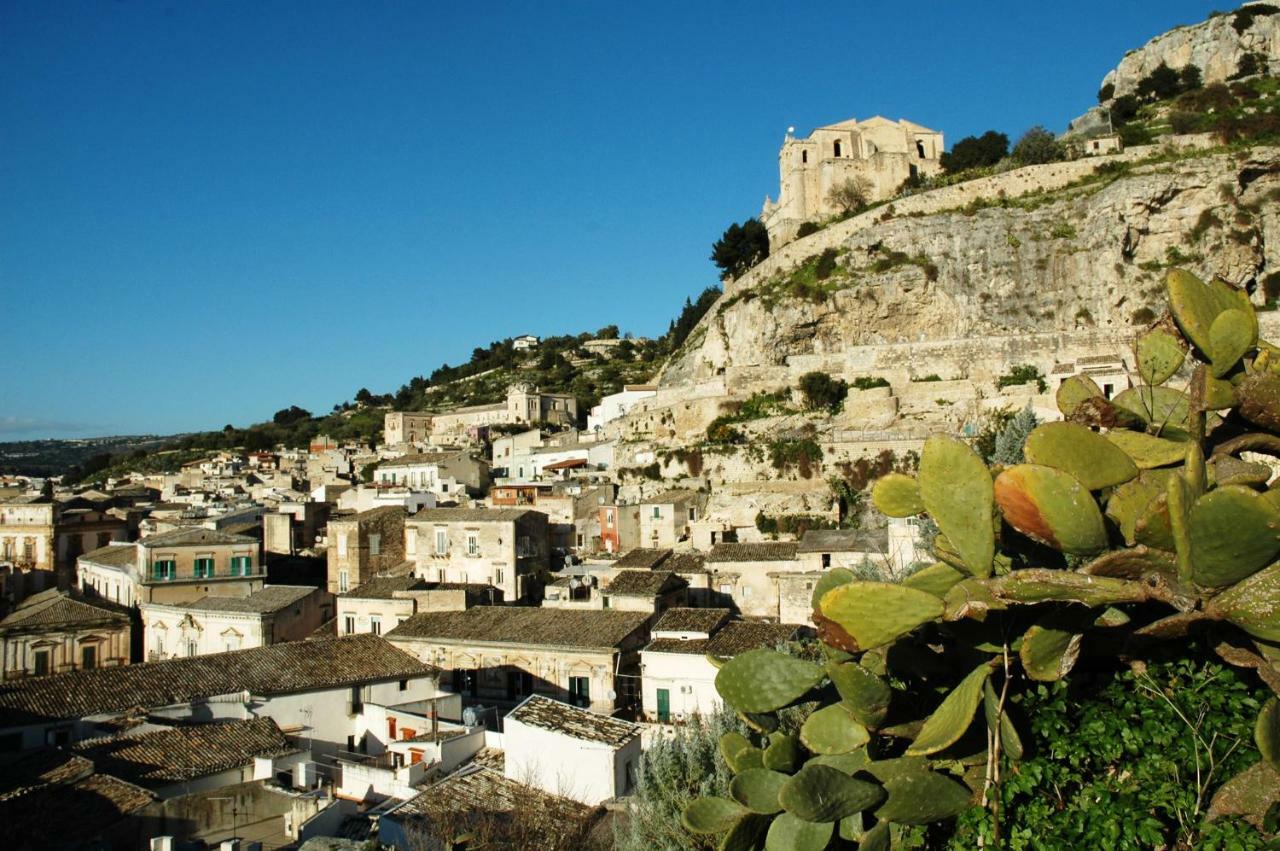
(573, 583)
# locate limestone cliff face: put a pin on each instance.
(1214, 46)
(1084, 258)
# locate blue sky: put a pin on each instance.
(213, 210)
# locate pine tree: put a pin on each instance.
(1013, 437)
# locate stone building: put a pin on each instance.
(745, 576)
(363, 545)
(502, 654)
(383, 603)
(273, 614)
(56, 631)
(524, 404)
(501, 547)
(449, 475)
(666, 517)
(179, 566)
(27, 532)
(877, 152)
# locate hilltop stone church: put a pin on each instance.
(882, 152)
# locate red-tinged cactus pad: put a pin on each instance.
(955, 486)
(1234, 532)
(875, 613)
(1052, 507)
(1095, 461)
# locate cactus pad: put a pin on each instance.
(788, 833)
(711, 815)
(850, 763)
(877, 838)
(1266, 732)
(763, 680)
(1010, 741)
(832, 578)
(1049, 652)
(1259, 400)
(745, 834)
(1052, 507)
(955, 486)
(1233, 533)
(1148, 451)
(757, 790)
(865, 695)
(953, 716)
(1253, 604)
(1159, 355)
(1232, 334)
(1042, 585)
(1128, 502)
(1088, 456)
(936, 579)
(1074, 391)
(1230, 470)
(1195, 306)
(875, 613)
(897, 495)
(920, 797)
(822, 793)
(833, 729)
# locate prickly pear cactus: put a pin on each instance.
(1138, 520)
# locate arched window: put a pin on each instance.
(836, 147)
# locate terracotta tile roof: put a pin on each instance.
(478, 791)
(384, 587)
(23, 773)
(548, 714)
(54, 609)
(731, 639)
(685, 563)
(373, 514)
(671, 496)
(768, 551)
(268, 599)
(645, 583)
(69, 815)
(117, 556)
(829, 541)
(420, 458)
(523, 626)
(278, 669)
(472, 515)
(194, 536)
(184, 753)
(681, 619)
(643, 558)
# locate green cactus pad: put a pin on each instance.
(1194, 307)
(761, 722)
(850, 763)
(822, 793)
(953, 716)
(1153, 528)
(1230, 470)
(1111, 617)
(747, 759)
(757, 790)
(877, 838)
(1075, 390)
(1051, 507)
(1259, 400)
(971, 598)
(1043, 585)
(1148, 451)
(783, 753)
(711, 815)
(731, 743)
(1049, 652)
(955, 486)
(865, 695)
(1218, 394)
(1266, 733)
(1163, 409)
(1088, 456)
(875, 613)
(788, 833)
(833, 729)
(832, 578)
(1231, 335)
(921, 797)
(935, 579)
(1010, 741)
(763, 680)
(1253, 604)
(1128, 502)
(1160, 355)
(1178, 501)
(1233, 533)
(897, 495)
(850, 827)
(745, 834)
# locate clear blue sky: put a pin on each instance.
(212, 210)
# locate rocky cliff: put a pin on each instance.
(1089, 256)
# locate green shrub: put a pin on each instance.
(1143, 316)
(1038, 146)
(1105, 93)
(804, 454)
(1184, 122)
(826, 264)
(1023, 374)
(869, 382)
(805, 229)
(740, 247)
(933, 376)
(821, 392)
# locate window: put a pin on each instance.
(42, 662)
(89, 657)
(497, 576)
(693, 514)
(608, 518)
(193, 649)
(349, 625)
(375, 625)
(410, 542)
(804, 156)
(473, 544)
(726, 589)
(344, 581)
(826, 560)
(375, 545)
(836, 148)
(657, 513)
(204, 568)
(241, 566)
(165, 569)
(442, 542)
(404, 685)
(630, 775)
(920, 148)
(579, 691)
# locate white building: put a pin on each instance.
(617, 405)
(677, 680)
(571, 752)
(268, 616)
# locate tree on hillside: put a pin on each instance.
(740, 247)
(1189, 78)
(852, 195)
(363, 396)
(689, 317)
(822, 392)
(1038, 146)
(608, 332)
(291, 415)
(976, 152)
(1123, 110)
(1161, 84)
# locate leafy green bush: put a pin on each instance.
(821, 392)
(804, 454)
(869, 382)
(1105, 93)
(805, 229)
(1023, 374)
(976, 152)
(1038, 146)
